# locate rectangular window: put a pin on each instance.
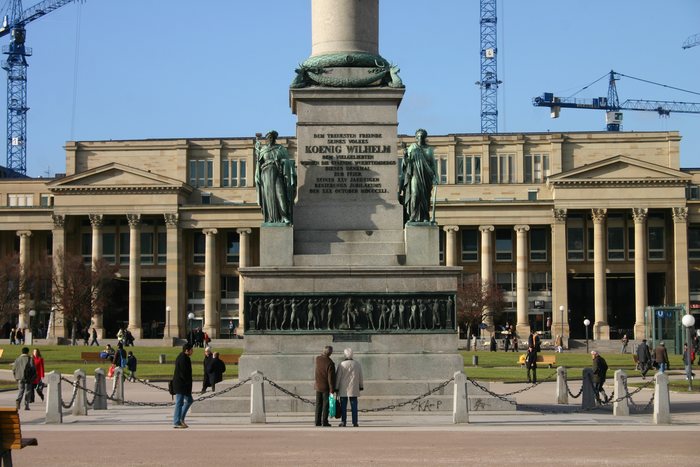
(442, 169)
(195, 287)
(590, 242)
(233, 247)
(506, 281)
(502, 169)
(694, 242)
(229, 286)
(693, 192)
(124, 243)
(441, 242)
(694, 282)
(86, 247)
(630, 242)
(109, 247)
(233, 172)
(536, 168)
(540, 282)
(162, 247)
(538, 244)
(470, 245)
(20, 200)
(532, 195)
(574, 239)
(201, 172)
(147, 248)
(198, 247)
(468, 170)
(504, 245)
(656, 242)
(45, 200)
(616, 243)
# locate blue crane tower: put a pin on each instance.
(611, 104)
(489, 78)
(16, 66)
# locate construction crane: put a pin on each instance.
(14, 24)
(612, 105)
(489, 78)
(692, 41)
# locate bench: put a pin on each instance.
(11, 435)
(229, 358)
(549, 360)
(92, 357)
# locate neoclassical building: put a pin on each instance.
(596, 225)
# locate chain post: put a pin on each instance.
(257, 398)
(621, 406)
(118, 394)
(662, 401)
(460, 401)
(562, 390)
(588, 401)
(100, 400)
(80, 407)
(54, 412)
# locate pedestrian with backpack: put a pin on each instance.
(24, 373)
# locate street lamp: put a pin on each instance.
(689, 323)
(561, 313)
(586, 322)
(190, 317)
(167, 324)
(32, 313)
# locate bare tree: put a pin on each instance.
(9, 286)
(475, 299)
(82, 290)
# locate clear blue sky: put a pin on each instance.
(222, 68)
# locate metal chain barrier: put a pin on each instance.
(531, 386)
(75, 385)
(437, 388)
(149, 384)
(288, 392)
(571, 393)
(629, 395)
(488, 391)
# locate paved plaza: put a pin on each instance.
(538, 432)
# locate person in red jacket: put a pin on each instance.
(38, 383)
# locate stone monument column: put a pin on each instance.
(523, 325)
(243, 262)
(640, 269)
(96, 220)
(559, 274)
(211, 324)
(487, 267)
(344, 25)
(174, 279)
(601, 330)
(680, 256)
(451, 254)
(58, 245)
(24, 255)
(135, 274)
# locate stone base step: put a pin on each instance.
(349, 260)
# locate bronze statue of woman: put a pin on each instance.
(418, 176)
(275, 178)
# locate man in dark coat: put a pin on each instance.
(324, 384)
(182, 386)
(600, 369)
(205, 365)
(661, 357)
(531, 365)
(215, 369)
(644, 358)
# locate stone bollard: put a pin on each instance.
(80, 405)
(588, 396)
(100, 401)
(119, 381)
(621, 408)
(662, 401)
(460, 404)
(257, 398)
(562, 393)
(54, 408)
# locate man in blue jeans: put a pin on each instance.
(182, 386)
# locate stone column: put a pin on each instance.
(451, 244)
(58, 328)
(680, 256)
(523, 325)
(640, 269)
(211, 325)
(601, 330)
(559, 275)
(487, 269)
(243, 262)
(135, 274)
(24, 255)
(174, 279)
(345, 25)
(96, 220)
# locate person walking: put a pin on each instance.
(38, 383)
(215, 369)
(131, 364)
(182, 386)
(531, 365)
(324, 384)
(94, 338)
(348, 384)
(688, 362)
(661, 357)
(600, 369)
(644, 358)
(625, 341)
(24, 373)
(205, 373)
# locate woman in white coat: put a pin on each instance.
(349, 383)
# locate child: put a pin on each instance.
(131, 366)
